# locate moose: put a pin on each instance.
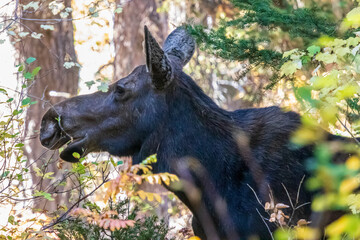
(228, 161)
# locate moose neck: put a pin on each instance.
(195, 127)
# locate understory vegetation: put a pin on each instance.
(302, 55)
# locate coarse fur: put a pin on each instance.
(231, 157)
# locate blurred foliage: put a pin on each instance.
(261, 30)
(317, 56)
(117, 221)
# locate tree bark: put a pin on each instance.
(51, 51)
(129, 34)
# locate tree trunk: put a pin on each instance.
(129, 53)
(129, 34)
(51, 51)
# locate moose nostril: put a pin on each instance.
(47, 132)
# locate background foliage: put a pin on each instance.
(301, 55)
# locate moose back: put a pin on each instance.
(227, 161)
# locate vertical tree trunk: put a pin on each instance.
(129, 33)
(51, 51)
(128, 42)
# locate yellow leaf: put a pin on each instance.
(173, 177)
(352, 19)
(38, 171)
(353, 163)
(353, 200)
(141, 194)
(157, 197)
(305, 136)
(329, 80)
(48, 175)
(306, 233)
(157, 179)
(165, 179)
(349, 185)
(328, 113)
(346, 91)
(194, 238)
(150, 197)
(150, 179)
(338, 227)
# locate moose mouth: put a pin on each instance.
(75, 149)
(53, 138)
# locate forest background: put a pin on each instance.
(298, 54)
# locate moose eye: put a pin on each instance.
(120, 89)
(121, 93)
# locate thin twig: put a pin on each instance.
(288, 195)
(267, 226)
(255, 195)
(62, 217)
(352, 135)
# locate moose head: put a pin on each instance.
(118, 121)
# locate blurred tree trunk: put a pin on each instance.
(129, 53)
(129, 33)
(51, 51)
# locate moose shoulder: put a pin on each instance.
(231, 157)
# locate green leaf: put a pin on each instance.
(64, 14)
(47, 27)
(48, 175)
(17, 112)
(10, 100)
(11, 219)
(305, 59)
(25, 101)
(35, 71)
(104, 87)
(76, 155)
(288, 68)
(89, 84)
(23, 34)
(327, 58)
(118, 10)
(33, 4)
(113, 162)
(288, 53)
(304, 93)
(353, 41)
(36, 35)
(5, 174)
(21, 68)
(69, 65)
(313, 50)
(30, 60)
(28, 75)
(342, 51)
(3, 91)
(43, 194)
(19, 145)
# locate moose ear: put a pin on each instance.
(180, 44)
(157, 63)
